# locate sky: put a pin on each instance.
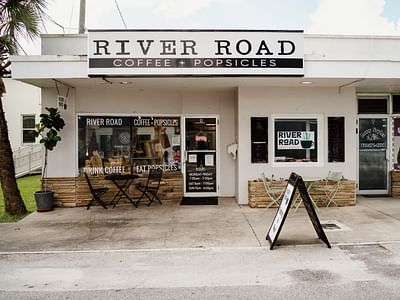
(352, 17)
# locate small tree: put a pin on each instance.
(48, 128)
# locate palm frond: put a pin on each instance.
(21, 19)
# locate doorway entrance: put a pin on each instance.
(200, 171)
(373, 175)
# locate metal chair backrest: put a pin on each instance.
(330, 189)
(97, 193)
(150, 190)
(265, 181)
(275, 194)
(334, 176)
(155, 176)
(89, 183)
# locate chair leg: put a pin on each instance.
(274, 200)
(330, 198)
(90, 203)
(140, 198)
(97, 199)
(298, 203)
(101, 203)
(152, 199)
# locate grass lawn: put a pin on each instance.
(27, 186)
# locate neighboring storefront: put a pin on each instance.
(215, 109)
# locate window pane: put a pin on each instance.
(296, 140)
(336, 139)
(28, 122)
(27, 137)
(396, 104)
(372, 106)
(200, 134)
(259, 140)
(104, 144)
(157, 143)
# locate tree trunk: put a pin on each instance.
(12, 198)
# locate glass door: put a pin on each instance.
(373, 157)
(200, 156)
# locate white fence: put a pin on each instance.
(28, 160)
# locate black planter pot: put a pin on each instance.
(44, 201)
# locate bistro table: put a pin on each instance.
(308, 181)
(122, 182)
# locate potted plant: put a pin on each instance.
(48, 128)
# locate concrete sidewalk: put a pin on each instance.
(171, 226)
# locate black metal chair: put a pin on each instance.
(150, 189)
(97, 193)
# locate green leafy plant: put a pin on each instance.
(48, 130)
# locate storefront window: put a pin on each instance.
(112, 144)
(296, 140)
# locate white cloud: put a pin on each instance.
(180, 8)
(351, 17)
(153, 9)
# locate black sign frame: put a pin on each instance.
(295, 182)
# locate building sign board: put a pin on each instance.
(195, 53)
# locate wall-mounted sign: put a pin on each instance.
(291, 140)
(195, 52)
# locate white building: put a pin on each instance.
(181, 99)
(22, 106)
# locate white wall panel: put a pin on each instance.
(256, 102)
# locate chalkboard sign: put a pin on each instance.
(295, 181)
(311, 211)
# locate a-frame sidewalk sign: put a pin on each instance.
(295, 182)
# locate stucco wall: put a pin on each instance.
(326, 102)
(62, 160)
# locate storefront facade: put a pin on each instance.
(218, 108)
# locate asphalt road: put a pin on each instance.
(370, 271)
